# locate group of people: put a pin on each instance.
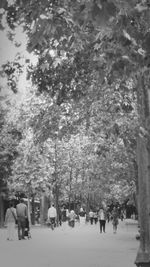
(19, 216)
(53, 218)
(103, 216)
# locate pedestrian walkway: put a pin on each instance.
(82, 246)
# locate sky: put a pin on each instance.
(8, 52)
(8, 49)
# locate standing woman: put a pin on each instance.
(115, 219)
(10, 222)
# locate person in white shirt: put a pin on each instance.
(91, 215)
(52, 215)
(82, 217)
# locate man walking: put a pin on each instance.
(22, 214)
(91, 215)
(52, 214)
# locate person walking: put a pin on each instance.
(63, 212)
(82, 216)
(115, 219)
(52, 215)
(95, 217)
(22, 215)
(102, 219)
(10, 222)
(91, 215)
(72, 217)
(59, 216)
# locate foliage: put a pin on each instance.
(10, 136)
(12, 71)
(91, 55)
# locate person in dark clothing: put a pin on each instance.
(63, 214)
(95, 217)
(21, 211)
(27, 229)
(102, 219)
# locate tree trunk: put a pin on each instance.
(29, 211)
(33, 211)
(143, 158)
(43, 209)
(143, 256)
(57, 203)
(70, 188)
(56, 190)
(1, 211)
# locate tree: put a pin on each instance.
(116, 34)
(10, 136)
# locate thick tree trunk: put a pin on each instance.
(143, 256)
(43, 209)
(143, 157)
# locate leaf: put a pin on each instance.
(57, 62)
(142, 52)
(44, 66)
(97, 46)
(127, 36)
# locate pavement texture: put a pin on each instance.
(82, 246)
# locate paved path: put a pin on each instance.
(82, 246)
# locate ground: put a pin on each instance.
(82, 246)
